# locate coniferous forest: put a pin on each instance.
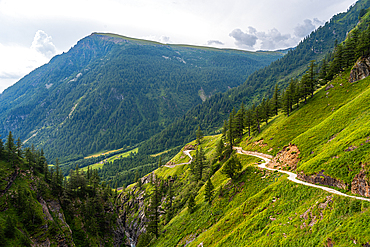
(127, 142)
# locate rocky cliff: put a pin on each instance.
(360, 70)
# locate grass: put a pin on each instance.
(263, 208)
(329, 124)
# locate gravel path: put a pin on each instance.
(292, 176)
(186, 152)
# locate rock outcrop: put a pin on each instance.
(360, 70)
(321, 178)
(286, 159)
(49, 208)
(360, 186)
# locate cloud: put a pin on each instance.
(42, 43)
(273, 39)
(302, 30)
(214, 42)
(244, 40)
(21, 60)
(164, 39)
(270, 40)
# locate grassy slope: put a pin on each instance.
(330, 123)
(263, 208)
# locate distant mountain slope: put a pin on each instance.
(211, 114)
(111, 91)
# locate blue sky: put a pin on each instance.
(33, 31)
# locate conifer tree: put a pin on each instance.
(153, 213)
(249, 121)
(231, 129)
(208, 191)
(219, 149)
(1, 148)
(276, 100)
(199, 164)
(239, 121)
(323, 70)
(256, 117)
(169, 206)
(199, 135)
(19, 148)
(9, 231)
(191, 204)
(312, 78)
(232, 167)
(224, 131)
(159, 161)
(10, 148)
(265, 110)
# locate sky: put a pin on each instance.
(33, 31)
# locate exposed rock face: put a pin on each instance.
(55, 208)
(361, 69)
(320, 178)
(132, 221)
(189, 147)
(360, 186)
(286, 159)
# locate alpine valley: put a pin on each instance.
(127, 142)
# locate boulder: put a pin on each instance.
(360, 70)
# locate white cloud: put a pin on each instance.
(164, 39)
(302, 30)
(273, 39)
(21, 60)
(244, 39)
(214, 42)
(42, 43)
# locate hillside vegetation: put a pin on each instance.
(222, 198)
(111, 92)
(211, 114)
(263, 208)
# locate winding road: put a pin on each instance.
(292, 176)
(186, 152)
(267, 158)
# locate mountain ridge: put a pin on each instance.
(52, 100)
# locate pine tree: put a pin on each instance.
(239, 121)
(199, 163)
(232, 167)
(153, 213)
(9, 231)
(219, 149)
(191, 204)
(224, 131)
(249, 121)
(208, 191)
(231, 129)
(19, 148)
(312, 77)
(265, 110)
(10, 148)
(276, 99)
(323, 71)
(159, 161)
(199, 135)
(256, 117)
(1, 148)
(349, 52)
(169, 206)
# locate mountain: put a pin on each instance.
(111, 92)
(324, 142)
(211, 114)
